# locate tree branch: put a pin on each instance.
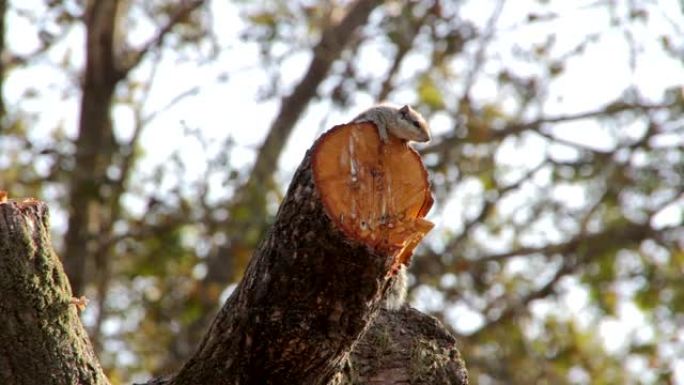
(329, 49)
(626, 232)
(134, 58)
(42, 340)
(514, 128)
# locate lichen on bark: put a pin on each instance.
(42, 340)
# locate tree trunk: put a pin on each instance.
(307, 294)
(95, 146)
(248, 213)
(42, 340)
(351, 216)
(3, 66)
(316, 282)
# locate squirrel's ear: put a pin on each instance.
(405, 109)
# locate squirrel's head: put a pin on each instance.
(413, 125)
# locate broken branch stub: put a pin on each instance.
(353, 210)
(375, 193)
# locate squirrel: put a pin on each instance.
(404, 123)
(408, 125)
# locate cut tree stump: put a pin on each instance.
(375, 193)
(352, 214)
(311, 293)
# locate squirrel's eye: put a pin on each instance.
(415, 123)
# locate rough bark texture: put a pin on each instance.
(42, 340)
(307, 294)
(306, 299)
(248, 213)
(405, 347)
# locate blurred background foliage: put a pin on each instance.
(556, 163)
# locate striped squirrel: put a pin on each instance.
(404, 123)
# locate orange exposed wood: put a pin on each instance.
(376, 193)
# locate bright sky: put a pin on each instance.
(222, 108)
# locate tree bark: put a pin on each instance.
(310, 292)
(307, 294)
(313, 287)
(405, 347)
(250, 198)
(42, 340)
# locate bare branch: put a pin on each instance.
(404, 43)
(489, 205)
(522, 304)
(480, 54)
(134, 58)
(176, 99)
(514, 128)
(329, 49)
